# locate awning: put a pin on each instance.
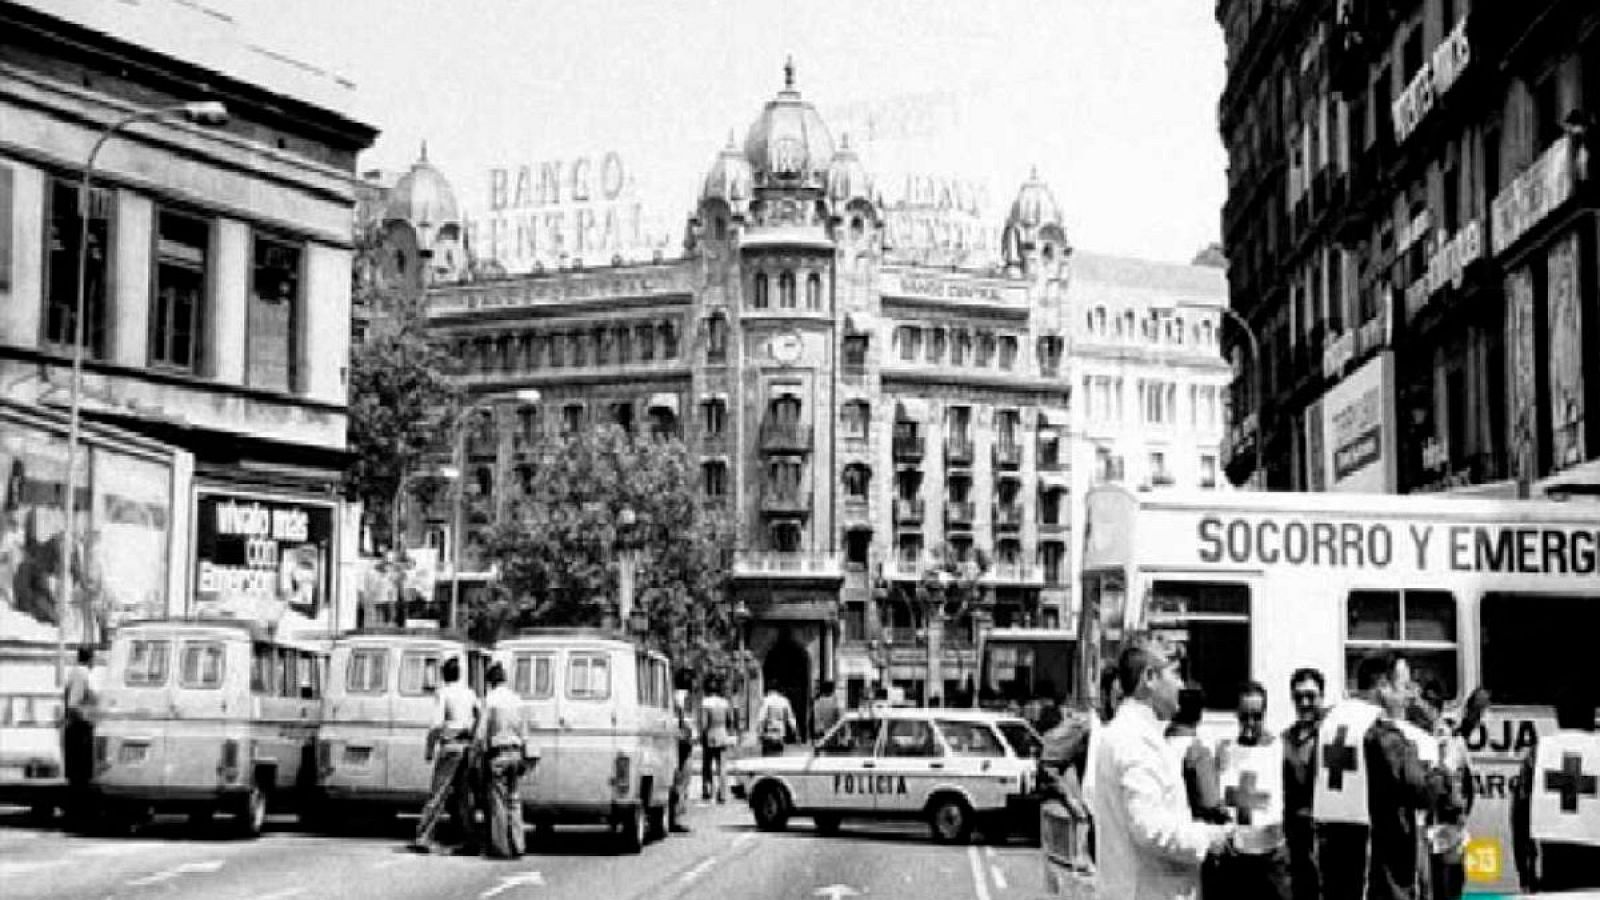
(911, 411)
(1053, 417)
(715, 395)
(860, 323)
(664, 401)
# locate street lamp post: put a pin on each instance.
(202, 113)
(741, 615)
(1256, 369)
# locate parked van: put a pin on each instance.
(599, 709)
(207, 716)
(376, 711)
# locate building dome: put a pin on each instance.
(1035, 207)
(789, 139)
(847, 177)
(422, 196)
(729, 178)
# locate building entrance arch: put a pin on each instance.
(788, 665)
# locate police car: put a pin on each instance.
(955, 769)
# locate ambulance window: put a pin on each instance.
(200, 665)
(909, 737)
(1530, 643)
(852, 737)
(366, 671)
(1419, 625)
(1210, 623)
(972, 739)
(588, 676)
(534, 676)
(147, 663)
(419, 674)
(264, 669)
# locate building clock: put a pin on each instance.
(786, 348)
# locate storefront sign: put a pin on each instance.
(559, 288)
(550, 213)
(1431, 82)
(1358, 429)
(1446, 265)
(919, 286)
(1532, 195)
(122, 524)
(1338, 354)
(261, 557)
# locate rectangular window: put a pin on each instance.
(264, 669)
(854, 615)
(1210, 624)
(534, 677)
(855, 351)
(365, 672)
(714, 478)
(1559, 628)
(571, 418)
(147, 663)
(1419, 625)
(61, 267)
(419, 673)
(200, 665)
(852, 737)
(588, 676)
(1208, 471)
(273, 315)
(182, 244)
(972, 739)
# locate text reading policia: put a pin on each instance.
(1375, 545)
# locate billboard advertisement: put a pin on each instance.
(1354, 449)
(263, 557)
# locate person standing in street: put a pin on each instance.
(1371, 785)
(717, 732)
(78, 701)
(1555, 812)
(1299, 781)
(686, 733)
(455, 720)
(1147, 845)
(505, 742)
(825, 712)
(775, 721)
(1251, 777)
(1198, 762)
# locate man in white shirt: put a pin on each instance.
(505, 740)
(775, 722)
(455, 718)
(1147, 845)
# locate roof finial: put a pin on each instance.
(1033, 174)
(788, 73)
(424, 150)
(844, 140)
(731, 144)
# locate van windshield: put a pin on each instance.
(201, 665)
(147, 663)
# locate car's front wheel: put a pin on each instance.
(771, 808)
(950, 819)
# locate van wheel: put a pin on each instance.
(630, 825)
(827, 824)
(951, 820)
(252, 816)
(771, 808)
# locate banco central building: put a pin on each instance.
(855, 409)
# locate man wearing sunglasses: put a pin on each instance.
(1252, 780)
(1299, 780)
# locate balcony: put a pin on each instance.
(909, 447)
(1007, 455)
(1054, 522)
(1052, 461)
(785, 437)
(785, 503)
(1014, 574)
(901, 568)
(1008, 516)
(797, 564)
(958, 451)
(908, 512)
(958, 514)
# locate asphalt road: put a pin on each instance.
(724, 857)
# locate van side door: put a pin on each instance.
(532, 675)
(412, 703)
(139, 705)
(358, 716)
(586, 749)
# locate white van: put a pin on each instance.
(1503, 594)
(599, 709)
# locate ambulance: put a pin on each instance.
(1473, 592)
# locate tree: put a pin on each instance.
(400, 393)
(558, 549)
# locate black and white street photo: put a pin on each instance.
(1092, 449)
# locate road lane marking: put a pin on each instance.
(979, 883)
(189, 868)
(284, 894)
(743, 839)
(510, 881)
(994, 868)
(836, 892)
(699, 869)
(8, 869)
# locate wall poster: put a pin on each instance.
(1565, 314)
(265, 558)
(1522, 391)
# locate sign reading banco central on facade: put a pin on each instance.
(262, 557)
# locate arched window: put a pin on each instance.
(716, 338)
(813, 291)
(786, 290)
(1100, 320)
(761, 297)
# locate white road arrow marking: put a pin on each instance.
(189, 868)
(979, 883)
(836, 891)
(511, 881)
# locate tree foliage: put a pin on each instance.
(558, 550)
(951, 583)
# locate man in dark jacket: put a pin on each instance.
(1299, 778)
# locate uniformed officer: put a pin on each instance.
(1370, 786)
(1251, 776)
(455, 719)
(1556, 809)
